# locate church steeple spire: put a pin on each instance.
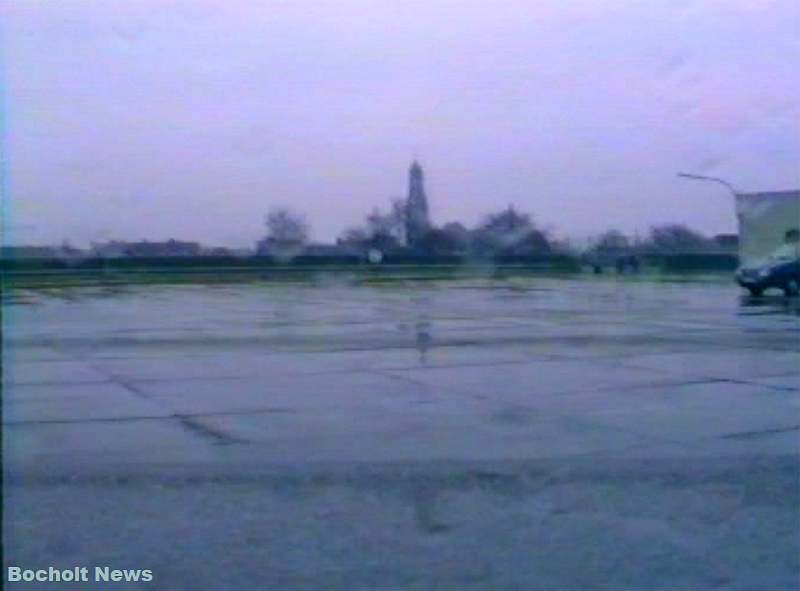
(417, 221)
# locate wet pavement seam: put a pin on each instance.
(760, 433)
(165, 417)
(201, 429)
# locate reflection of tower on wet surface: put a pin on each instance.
(769, 305)
(423, 339)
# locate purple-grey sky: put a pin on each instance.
(156, 119)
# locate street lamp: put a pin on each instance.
(700, 177)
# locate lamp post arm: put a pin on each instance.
(700, 177)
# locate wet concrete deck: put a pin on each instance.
(535, 433)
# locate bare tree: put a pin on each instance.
(382, 231)
(510, 232)
(676, 238)
(452, 238)
(365, 238)
(390, 224)
(611, 241)
(287, 232)
(353, 237)
(285, 227)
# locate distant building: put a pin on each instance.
(29, 252)
(270, 247)
(170, 248)
(329, 250)
(216, 251)
(417, 218)
(727, 242)
(65, 251)
(266, 247)
(109, 250)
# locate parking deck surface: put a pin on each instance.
(520, 434)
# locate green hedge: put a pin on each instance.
(558, 262)
(682, 263)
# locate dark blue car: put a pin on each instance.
(782, 274)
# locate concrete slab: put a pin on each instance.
(605, 525)
(536, 434)
(731, 364)
(75, 402)
(51, 372)
(74, 449)
(527, 381)
(336, 392)
(369, 437)
(788, 382)
(698, 412)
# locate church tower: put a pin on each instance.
(417, 221)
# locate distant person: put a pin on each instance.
(620, 265)
(424, 340)
(790, 249)
(627, 264)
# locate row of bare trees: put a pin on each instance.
(666, 238)
(506, 232)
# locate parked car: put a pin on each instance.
(769, 241)
(781, 273)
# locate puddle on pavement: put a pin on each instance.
(769, 305)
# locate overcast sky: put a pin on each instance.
(155, 119)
